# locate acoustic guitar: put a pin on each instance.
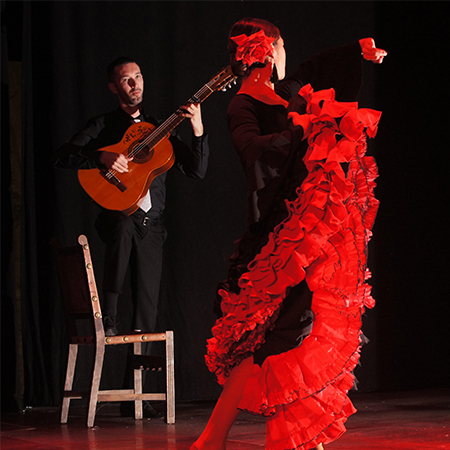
(151, 152)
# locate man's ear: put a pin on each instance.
(112, 88)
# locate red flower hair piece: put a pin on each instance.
(253, 48)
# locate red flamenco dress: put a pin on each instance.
(324, 239)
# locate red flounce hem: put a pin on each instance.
(324, 239)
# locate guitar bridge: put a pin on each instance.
(112, 179)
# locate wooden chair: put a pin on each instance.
(79, 292)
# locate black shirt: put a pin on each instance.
(83, 150)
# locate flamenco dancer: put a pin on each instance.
(289, 332)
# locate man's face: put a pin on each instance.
(128, 84)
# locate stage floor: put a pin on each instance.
(405, 420)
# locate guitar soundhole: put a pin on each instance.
(143, 155)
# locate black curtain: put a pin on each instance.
(411, 244)
(64, 47)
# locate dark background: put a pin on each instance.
(56, 53)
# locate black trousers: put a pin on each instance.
(134, 240)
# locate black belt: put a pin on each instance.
(148, 217)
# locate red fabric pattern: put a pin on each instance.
(325, 237)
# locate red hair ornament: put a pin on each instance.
(253, 48)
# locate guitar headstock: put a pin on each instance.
(222, 80)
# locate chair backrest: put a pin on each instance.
(74, 286)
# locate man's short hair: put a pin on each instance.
(121, 61)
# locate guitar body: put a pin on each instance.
(122, 191)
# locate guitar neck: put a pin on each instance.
(176, 118)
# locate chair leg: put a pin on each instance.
(96, 376)
(138, 410)
(170, 377)
(71, 363)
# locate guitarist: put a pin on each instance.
(142, 233)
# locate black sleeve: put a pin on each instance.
(248, 139)
(192, 161)
(339, 68)
(80, 152)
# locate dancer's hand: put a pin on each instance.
(304, 120)
(370, 52)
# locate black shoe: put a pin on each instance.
(127, 410)
(110, 326)
(149, 412)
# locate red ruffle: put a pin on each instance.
(304, 391)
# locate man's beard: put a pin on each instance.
(135, 99)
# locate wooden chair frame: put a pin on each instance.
(100, 341)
